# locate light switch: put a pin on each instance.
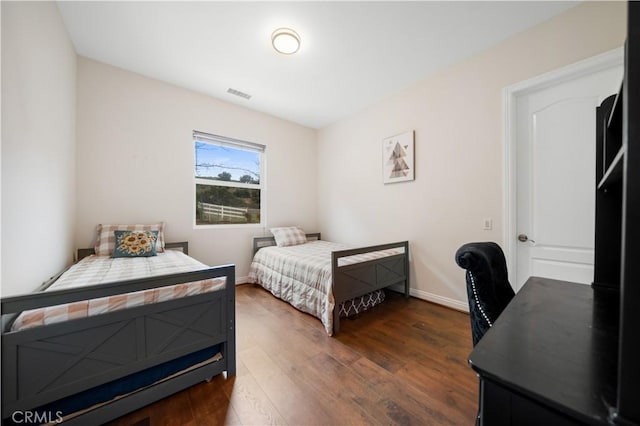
(488, 224)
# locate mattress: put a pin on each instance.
(301, 275)
(94, 270)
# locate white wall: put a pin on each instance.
(38, 145)
(457, 118)
(135, 161)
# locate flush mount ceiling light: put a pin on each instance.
(285, 41)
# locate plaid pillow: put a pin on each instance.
(289, 236)
(106, 240)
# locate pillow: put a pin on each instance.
(135, 243)
(289, 236)
(106, 242)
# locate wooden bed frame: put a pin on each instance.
(351, 281)
(83, 353)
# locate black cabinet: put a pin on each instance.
(618, 220)
(564, 353)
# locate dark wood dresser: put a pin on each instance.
(550, 358)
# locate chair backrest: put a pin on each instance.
(488, 288)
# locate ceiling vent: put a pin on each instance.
(238, 93)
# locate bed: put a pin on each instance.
(321, 278)
(89, 369)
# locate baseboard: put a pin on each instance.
(430, 297)
(242, 280)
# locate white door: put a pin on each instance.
(555, 177)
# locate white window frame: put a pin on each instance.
(234, 144)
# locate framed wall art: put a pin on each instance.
(397, 158)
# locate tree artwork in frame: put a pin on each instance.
(397, 158)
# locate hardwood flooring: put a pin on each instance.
(403, 362)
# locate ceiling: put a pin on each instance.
(352, 54)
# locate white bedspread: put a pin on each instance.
(301, 275)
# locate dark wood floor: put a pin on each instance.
(404, 362)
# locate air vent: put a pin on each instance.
(239, 93)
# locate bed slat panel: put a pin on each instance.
(362, 278)
(358, 279)
(80, 357)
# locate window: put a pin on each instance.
(228, 179)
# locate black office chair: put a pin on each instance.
(488, 288)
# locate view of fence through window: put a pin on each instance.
(228, 185)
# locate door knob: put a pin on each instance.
(523, 238)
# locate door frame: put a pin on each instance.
(510, 94)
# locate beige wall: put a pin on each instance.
(38, 145)
(457, 118)
(135, 161)
(134, 152)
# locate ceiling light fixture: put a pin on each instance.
(285, 41)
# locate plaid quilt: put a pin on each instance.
(94, 270)
(301, 275)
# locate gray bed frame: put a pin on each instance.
(47, 363)
(351, 281)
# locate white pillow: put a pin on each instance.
(289, 236)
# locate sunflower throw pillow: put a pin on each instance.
(135, 243)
